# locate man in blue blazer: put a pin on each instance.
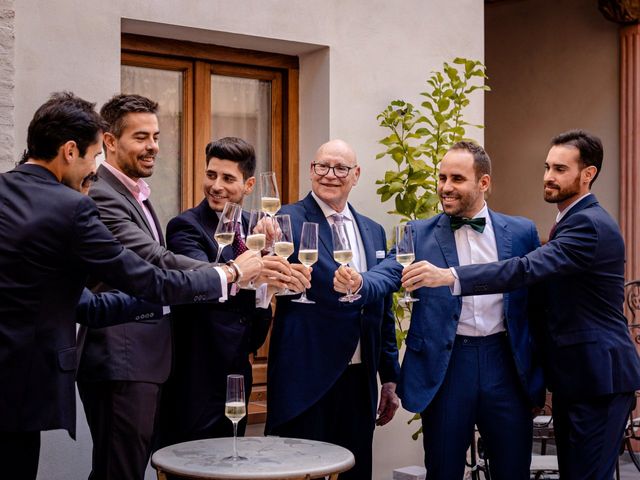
(51, 239)
(471, 361)
(590, 362)
(323, 358)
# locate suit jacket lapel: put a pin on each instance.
(504, 244)
(446, 240)
(119, 187)
(367, 240)
(314, 214)
(156, 222)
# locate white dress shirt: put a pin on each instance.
(359, 260)
(481, 315)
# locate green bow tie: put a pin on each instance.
(476, 223)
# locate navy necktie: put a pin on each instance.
(477, 224)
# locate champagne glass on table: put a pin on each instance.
(308, 252)
(235, 409)
(342, 253)
(255, 241)
(226, 229)
(283, 246)
(269, 196)
(405, 255)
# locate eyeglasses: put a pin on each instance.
(340, 171)
(89, 180)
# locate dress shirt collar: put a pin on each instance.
(327, 211)
(564, 212)
(140, 189)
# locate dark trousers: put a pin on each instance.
(342, 417)
(122, 418)
(481, 387)
(589, 434)
(19, 455)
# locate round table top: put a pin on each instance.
(267, 458)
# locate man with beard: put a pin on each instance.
(122, 368)
(589, 359)
(468, 362)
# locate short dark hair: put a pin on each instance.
(589, 146)
(116, 109)
(236, 150)
(62, 118)
(481, 161)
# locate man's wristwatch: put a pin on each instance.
(231, 272)
(236, 269)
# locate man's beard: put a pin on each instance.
(559, 195)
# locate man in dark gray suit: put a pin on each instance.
(122, 369)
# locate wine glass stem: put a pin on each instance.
(218, 255)
(235, 440)
(407, 296)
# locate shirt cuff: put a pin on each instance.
(166, 310)
(263, 299)
(223, 284)
(456, 289)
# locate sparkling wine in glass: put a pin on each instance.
(235, 409)
(226, 229)
(405, 255)
(255, 241)
(283, 246)
(308, 252)
(269, 196)
(343, 254)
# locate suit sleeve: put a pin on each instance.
(185, 238)
(118, 220)
(389, 367)
(96, 249)
(113, 308)
(570, 252)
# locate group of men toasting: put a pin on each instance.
(498, 317)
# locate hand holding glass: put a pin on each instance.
(405, 255)
(342, 254)
(255, 241)
(308, 252)
(235, 409)
(226, 229)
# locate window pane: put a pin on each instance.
(164, 87)
(241, 107)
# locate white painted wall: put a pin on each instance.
(355, 57)
(553, 66)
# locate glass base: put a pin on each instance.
(350, 298)
(286, 292)
(303, 300)
(407, 300)
(239, 458)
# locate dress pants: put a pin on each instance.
(343, 417)
(589, 433)
(19, 455)
(481, 387)
(122, 418)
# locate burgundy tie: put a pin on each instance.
(238, 245)
(552, 232)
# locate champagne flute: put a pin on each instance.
(342, 253)
(255, 241)
(405, 255)
(308, 252)
(235, 409)
(283, 246)
(269, 196)
(226, 229)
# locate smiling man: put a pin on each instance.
(589, 359)
(324, 358)
(467, 362)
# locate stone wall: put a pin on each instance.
(7, 82)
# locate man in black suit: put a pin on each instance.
(214, 341)
(590, 361)
(122, 368)
(51, 239)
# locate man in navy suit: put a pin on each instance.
(590, 362)
(51, 239)
(323, 358)
(467, 362)
(213, 341)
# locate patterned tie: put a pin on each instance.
(477, 224)
(238, 245)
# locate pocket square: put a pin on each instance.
(380, 254)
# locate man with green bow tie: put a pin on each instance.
(469, 360)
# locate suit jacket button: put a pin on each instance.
(137, 317)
